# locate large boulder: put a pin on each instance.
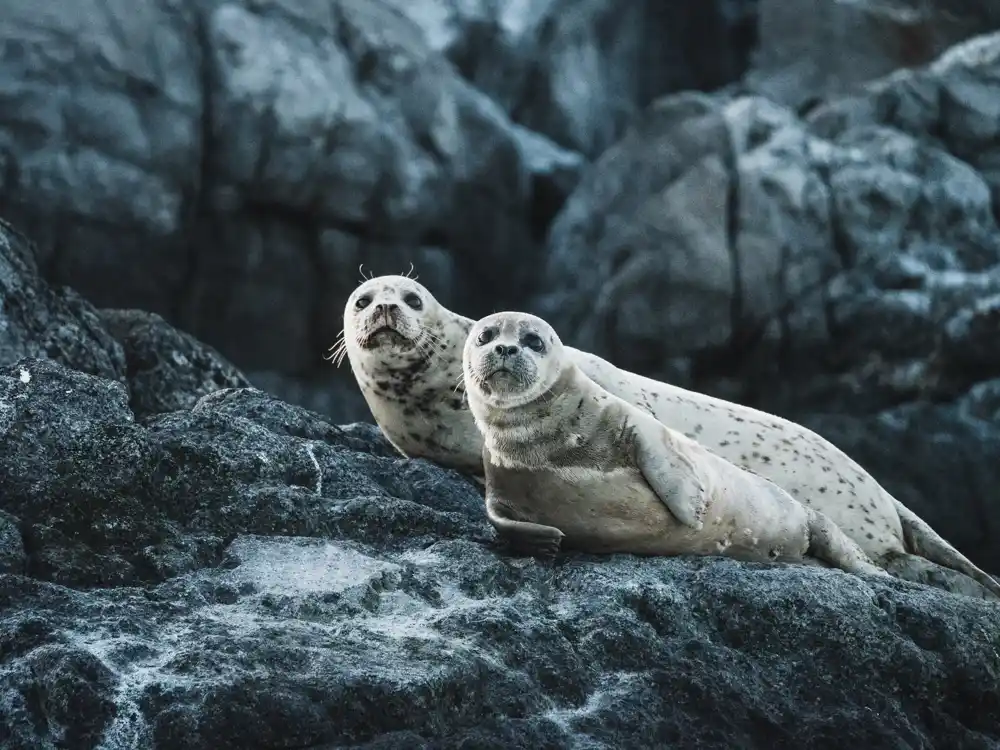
(732, 228)
(230, 164)
(245, 574)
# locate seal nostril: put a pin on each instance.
(499, 349)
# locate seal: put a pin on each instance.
(567, 463)
(415, 393)
(405, 351)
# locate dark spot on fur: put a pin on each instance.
(723, 443)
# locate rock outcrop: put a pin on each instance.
(187, 562)
(244, 574)
(812, 49)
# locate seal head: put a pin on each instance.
(512, 359)
(388, 317)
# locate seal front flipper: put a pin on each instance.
(827, 542)
(525, 537)
(670, 474)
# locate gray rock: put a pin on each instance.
(11, 545)
(37, 320)
(579, 70)
(728, 229)
(228, 165)
(812, 49)
(245, 574)
(167, 369)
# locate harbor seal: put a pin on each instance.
(567, 463)
(415, 392)
(405, 351)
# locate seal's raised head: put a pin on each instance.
(511, 359)
(389, 315)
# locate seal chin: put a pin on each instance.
(386, 337)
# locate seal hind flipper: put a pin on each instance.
(669, 473)
(923, 542)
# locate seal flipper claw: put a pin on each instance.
(670, 474)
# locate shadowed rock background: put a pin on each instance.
(789, 203)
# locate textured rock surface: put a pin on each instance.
(810, 49)
(187, 562)
(166, 369)
(230, 164)
(734, 227)
(245, 574)
(578, 70)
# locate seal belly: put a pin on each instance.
(598, 511)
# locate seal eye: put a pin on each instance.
(363, 301)
(485, 336)
(533, 342)
(413, 300)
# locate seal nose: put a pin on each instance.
(386, 311)
(505, 351)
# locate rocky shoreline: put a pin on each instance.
(204, 543)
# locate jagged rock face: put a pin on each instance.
(244, 574)
(812, 49)
(578, 70)
(188, 562)
(230, 164)
(806, 248)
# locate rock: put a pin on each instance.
(728, 230)
(167, 369)
(247, 575)
(11, 545)
(952, 102)
(229, 165)
(813, 49)
(579, 71)
(37, 320)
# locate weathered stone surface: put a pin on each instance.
(41, 321)
(166, 369)
(229, 164)
(579, 70)
(245, 574)
(812, 49)
(723, 228)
